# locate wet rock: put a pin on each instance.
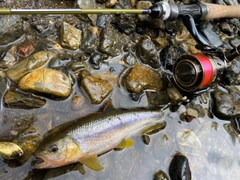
(28, 141)
(142, 78)
(110, 3)
(235, 41)
(182, 34)
(78, 101)
(160, 175)
(146, 139)
(172, 27)
(179, 168)
(3, 84)
(30, 63)
(111, 41)
(82, 74)
(96, 59)
(173, 95)
(9, 150)
(70, 37)
(90, 18)
(25, 49)
(223, 104)
(130, 59)
(126, 23)
(96, 89)
(75, 66)
(88, 42)
(101, 21)
(147, 52)
(233, 73)
(11, 28)
(189, 115)
(47, 81)
(22, 101)
(160, 42)
(43, 29)
(14, 124)
(191, 43)
(169, 55)
(9, 58)
(100, 1)
(189, 142)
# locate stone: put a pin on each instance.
(10, 58)
(111, 41)
(48, 81)
(96, 89)
(142, 78)
(22, 101)
(70, 37)
(30, 63)
(147, 52)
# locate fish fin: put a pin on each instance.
(91, 161)
(125, 144)
(155, 128)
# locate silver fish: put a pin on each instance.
(84, 139)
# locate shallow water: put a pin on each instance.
(211, 152)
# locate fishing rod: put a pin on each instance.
(162, 10)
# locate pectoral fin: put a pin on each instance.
(125, 144)
(91, 161)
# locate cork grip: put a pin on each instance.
(221, 11)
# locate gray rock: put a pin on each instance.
(10, 58)
(146, 51)
(89, 4)
(11, 28)
(111, 41)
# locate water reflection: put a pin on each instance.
(216, 158)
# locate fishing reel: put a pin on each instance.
(194, 74)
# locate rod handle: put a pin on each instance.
(216, 11)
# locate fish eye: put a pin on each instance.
(53, 148)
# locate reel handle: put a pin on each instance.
(216, 11)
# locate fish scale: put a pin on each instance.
(108, 132)
(84, 139)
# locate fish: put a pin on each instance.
(84, 139)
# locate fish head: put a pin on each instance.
(56, 153)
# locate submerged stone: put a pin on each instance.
(70, 37)
(22, 101)
(47, 81)
(179, 168)
(97, 89)
(142, 78)
(36, 60)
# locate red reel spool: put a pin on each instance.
(198, 71)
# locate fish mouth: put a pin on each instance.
(39, 163)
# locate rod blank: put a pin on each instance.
(73, 11)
